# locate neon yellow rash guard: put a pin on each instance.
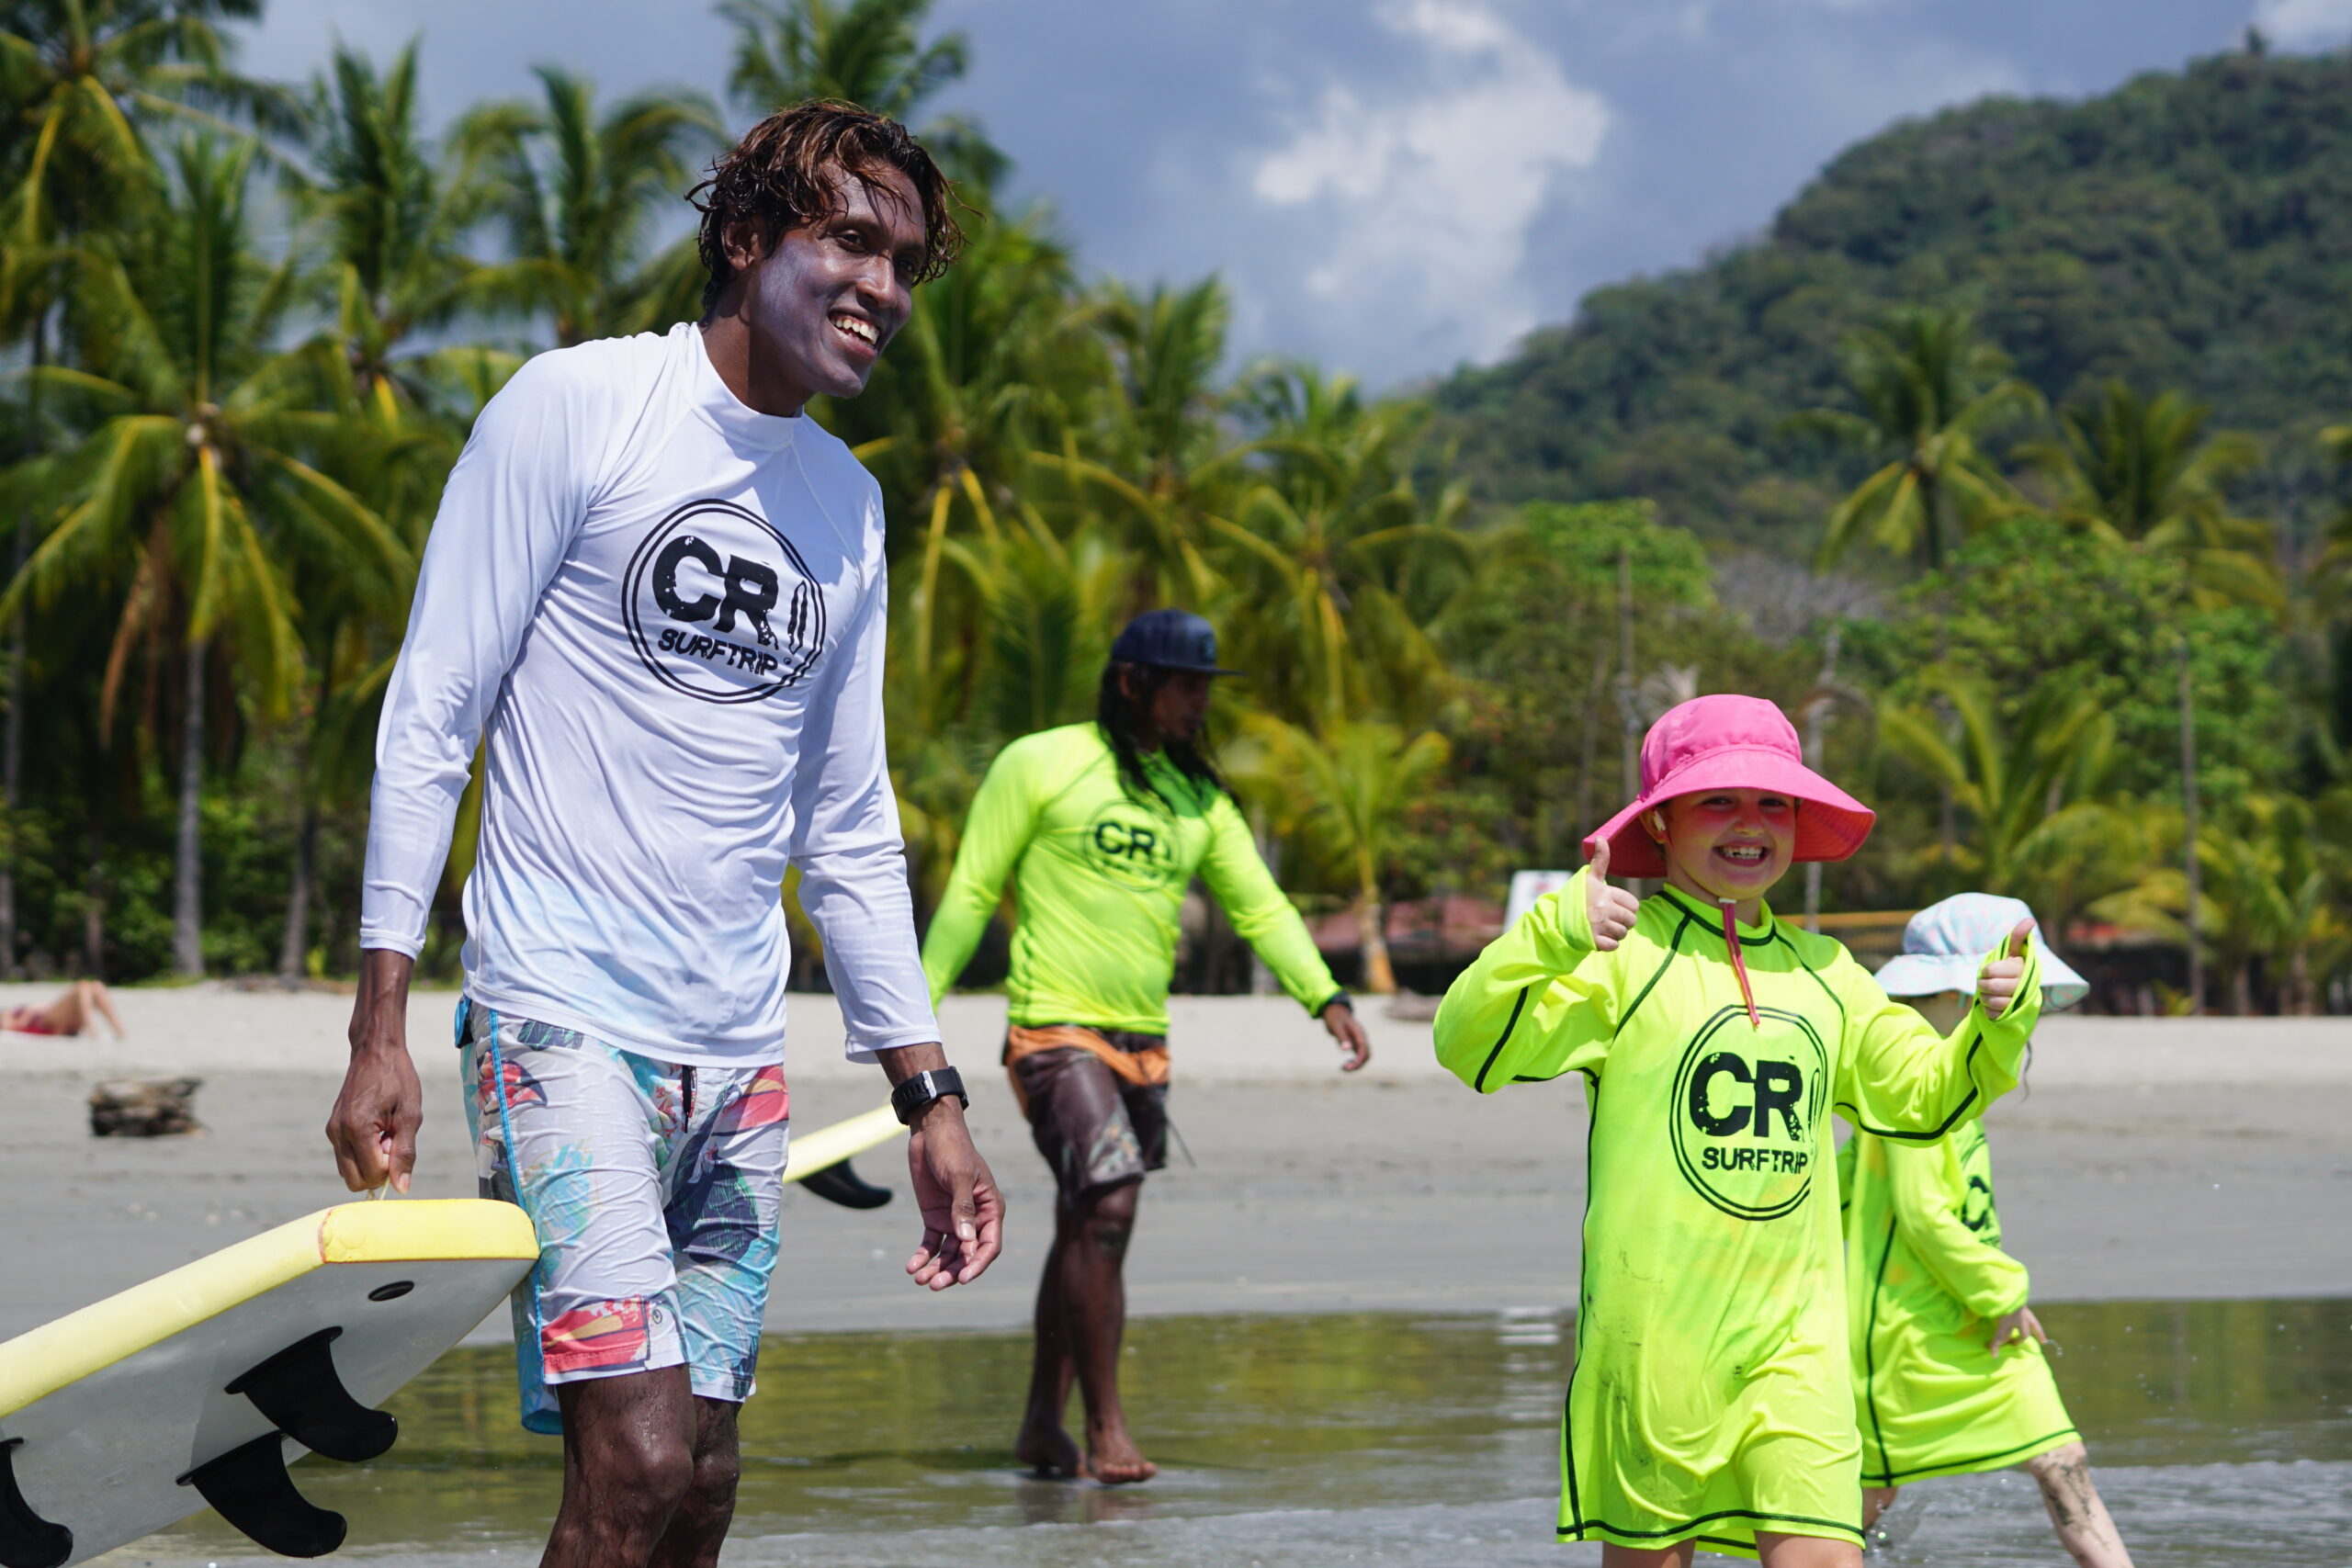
(1926, 1278)
(1099, 882)
(1711, 1397)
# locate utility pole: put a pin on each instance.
(1629, 719)
(1817, 720)
(2189, 833)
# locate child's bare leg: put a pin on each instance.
(1876, 1500)
(1675, 1556)
(1779, 1551)
(2075, 1511)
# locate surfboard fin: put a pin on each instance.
(840, 1184)
(298, 1392)
(249, 1487)
(26, 1540)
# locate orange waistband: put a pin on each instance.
(1145, 1068)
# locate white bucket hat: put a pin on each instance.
(1945, 943)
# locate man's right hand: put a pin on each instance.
(373, 1126)
(1611, 910)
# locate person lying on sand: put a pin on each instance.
(69, 1015)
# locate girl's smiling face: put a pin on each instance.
(1726, 844)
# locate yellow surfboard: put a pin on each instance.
(197, 1387)
(827, 1146)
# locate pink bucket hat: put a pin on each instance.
(1730, 742)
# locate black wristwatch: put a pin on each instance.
(914, 1093)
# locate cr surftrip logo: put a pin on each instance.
(1746, 1103)
(1129, 845)
(720, 606)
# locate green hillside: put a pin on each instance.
(2189, 230)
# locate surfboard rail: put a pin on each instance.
(413, 1230)
(813, 1152)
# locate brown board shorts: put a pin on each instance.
(1096, 1099)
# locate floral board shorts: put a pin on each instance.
(655, 1189)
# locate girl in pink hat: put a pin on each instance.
(1711, 1403)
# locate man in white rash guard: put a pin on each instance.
(657, 585)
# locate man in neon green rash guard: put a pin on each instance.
(1710, 1405)
(1102, 827)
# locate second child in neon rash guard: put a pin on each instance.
(1711, 1400)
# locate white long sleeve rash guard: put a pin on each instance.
(667, 610)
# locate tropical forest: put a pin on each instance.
(2011, 460)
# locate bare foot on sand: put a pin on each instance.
(1113, 1458)
(1048, 1449)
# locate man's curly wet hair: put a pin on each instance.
(781, 177)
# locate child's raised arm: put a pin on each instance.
(1542, 999)
(1900, 1079)
(1928, 1189)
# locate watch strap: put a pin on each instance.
(919, 1089)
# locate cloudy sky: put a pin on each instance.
(1393, 186)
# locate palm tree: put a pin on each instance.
(1330, 544)
(393, 225)
(956, 410)
(1930, 394)
(195, 480)
(77, 79)
(2145, 472)
(1355, 783)
(868, 52)
(2034, 788)
(577, 193)
(1157, 454)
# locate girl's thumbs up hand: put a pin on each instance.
(1611, 910)
(1997, 987)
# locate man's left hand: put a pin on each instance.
(1348, 1031)
(963, 1211)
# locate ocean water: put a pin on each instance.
(2219, 1431)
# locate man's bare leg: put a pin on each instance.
(700, 1527)
(1675, 1556)
(628, 1461)
(2076, 1512)
(1044, 1444)
(1094, 1308)
(1085, 1272)
(1876, 1500)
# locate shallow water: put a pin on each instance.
(2220, 1430)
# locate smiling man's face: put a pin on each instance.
(833, 293)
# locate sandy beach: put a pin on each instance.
(2151, 1158)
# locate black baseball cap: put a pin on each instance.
(1172, 639)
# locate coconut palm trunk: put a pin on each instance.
(1372, 940)
(293, 952)
(93, 903)
(12, 736)
(187, 863)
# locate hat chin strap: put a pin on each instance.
(1739, 963)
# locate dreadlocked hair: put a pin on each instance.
(785, 173)
(1119, 716)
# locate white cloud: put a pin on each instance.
(1422, 202)
(2304, 24)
